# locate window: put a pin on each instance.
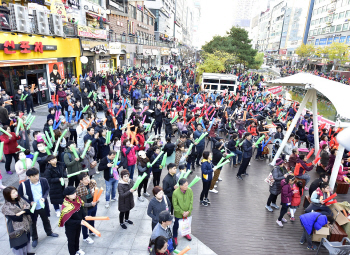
(312, 23)
(332, 29)
(345, 26)
(338, 28)
(335, 16)
(316, 21)
(347, 15)
(319, 31)
(324, 8)
(315, 32)
(139, 15)
(323, 30)
(326, 19)
(132, 10)
(341, 15)
(321, 20)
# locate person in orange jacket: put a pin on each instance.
(252, 129)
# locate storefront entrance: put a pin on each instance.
(37, 78)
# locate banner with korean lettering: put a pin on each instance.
(56, 71)
(91, 32)
(275, 90)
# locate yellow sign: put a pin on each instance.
(127, 55)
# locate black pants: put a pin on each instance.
(153, 225)
(272, 199)
(171, 208)
(73, 234)
(156, 178)
(8, 158)
(110, 96)
(136, 101)
(243, 167)
(158, 127)
(283, 211)
(30, 105)
(121, 216)
(205, 190)
(20, 106)
(73, 181)
(64, 106)
(143, 185)
(199, 154)
(73, 135)
(46, 223)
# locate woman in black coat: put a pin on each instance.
(168, 126)
(302, 135)
(103, 148)
(84, 97)
(126, 198)
(55, 173)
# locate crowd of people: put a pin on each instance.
(153, 127)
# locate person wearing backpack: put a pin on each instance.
(279, 172)
(73, 164)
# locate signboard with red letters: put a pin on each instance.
(275, 90)
(9, 47)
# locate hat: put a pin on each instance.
(279, 162)
(142, 154)
(70, 190)
(165, 216)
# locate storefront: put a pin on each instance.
(155, 58)
(164, 52)
(93, 50)
(146, 62)
(114, 49)
(32, 60)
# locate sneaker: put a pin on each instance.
(34, 243)
(58, 214)
(9, 172)
(284, 220)
(114, 199)
(146, 194)
(246, 174)
(81, 252)
(88, 240)
(188, 237)
(239, 178)
(261, 159)
(292, 219)
(204, 203)
(302, 242)
(141, 199)
(107, 204)
(215, 186)
(123, 226)
(93, 234)
(175, 239)
(213, 191)
(219, 179)
(306, 188)
(312, 248)
(279, 223)
(275, 206)
(129, 221)
(207, 200)
(269, 208)
(97, 172)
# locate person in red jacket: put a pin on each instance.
(252, 129)
(10, 147)
(296, 199)
(129, 151)
(140, 137)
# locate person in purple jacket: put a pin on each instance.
(286, 197)
(311, 221)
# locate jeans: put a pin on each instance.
(131, 170)
(158, 127)
(205, 190)
(323, 209)
(176, 227)
(243, 167)
(272, 199)
(168, 135)
(283, 211)
(259, 152)
(199, 154)
(306, 237)
(91, 212)
(234, 158)
(306, 177)
(189, 163)
(46, 223)
(111, 186)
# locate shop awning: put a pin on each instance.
(25, 62)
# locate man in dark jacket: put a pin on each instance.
(231, 146)
(29, 99)
(4, 116)
(77, 93)
(94, 139)
(158, 115)
(247, 149)
(35, 191)
(200, 146)
(169, 183)
(20, 103)
(111, 183)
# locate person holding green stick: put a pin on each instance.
(218, 157)
(207, 177)
(103, 143)
(126, 198)
(73, 163)
(10, 147)
(22, 165)
(247, 149)
(156, 160)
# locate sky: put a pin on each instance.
(217, 17)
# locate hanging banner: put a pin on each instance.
(91, 32)
(275, 90)
(57, 7)
(42, 84)
(56, 71)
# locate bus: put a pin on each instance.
(219, 82)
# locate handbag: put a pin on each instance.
(269, 179)
(185, 226)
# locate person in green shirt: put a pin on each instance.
(183, 205)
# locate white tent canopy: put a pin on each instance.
(336, 92)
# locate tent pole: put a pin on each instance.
(292, 125)
(336, 166)
(315, 120)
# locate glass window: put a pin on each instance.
(335, 16)
(341, 15)
(312, 23)
(319, 31)
(326, 19)
(211, 81)
(5, 80)
(338, 28)
(347, 15)
(345, 26)
(332, 29)
(316, 21)
(324, 8)
(321, 20)
(323, 30)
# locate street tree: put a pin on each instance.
(338, 53)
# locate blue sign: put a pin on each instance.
(336, 39)
(348, 40)
(342, 39)
(323, 41)
(317, 41)
(330, 40)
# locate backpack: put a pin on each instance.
(62, 158)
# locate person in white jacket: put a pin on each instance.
(22, 165)
(81, 132)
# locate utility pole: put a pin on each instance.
(195, 63)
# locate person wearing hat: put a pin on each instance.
(35, 190)
(217, 155)
(163, 229)
(71, 218)
(29, 99)
(279, 172)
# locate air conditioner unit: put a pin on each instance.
(56, 25)
(19, 19)
(41, 23)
